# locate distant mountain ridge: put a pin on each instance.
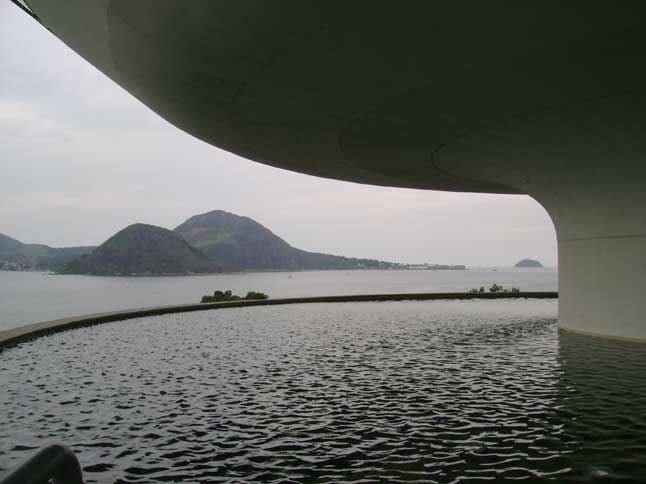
(142, 249)
(244, 243)
(15, 254)
(215, 241)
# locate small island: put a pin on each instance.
(529, 263)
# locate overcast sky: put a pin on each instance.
(81, 159)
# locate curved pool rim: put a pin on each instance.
(28, 332)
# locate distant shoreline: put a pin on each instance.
(268, 271)
(293, 271)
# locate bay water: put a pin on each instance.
(28, 297)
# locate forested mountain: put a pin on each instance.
(216, 241)
(17, 255)
(244, 243)
(142, 249)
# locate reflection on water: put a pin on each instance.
(602, 402)
(435, 391)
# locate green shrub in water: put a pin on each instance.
(225, 296)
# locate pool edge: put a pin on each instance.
(27, 332)
(624, 339)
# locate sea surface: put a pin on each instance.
(28, 297)
(389, 392)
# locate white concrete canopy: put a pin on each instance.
(540, 97)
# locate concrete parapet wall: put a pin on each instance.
(31, 331)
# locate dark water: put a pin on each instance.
(359, 392)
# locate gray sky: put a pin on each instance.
(81, 159)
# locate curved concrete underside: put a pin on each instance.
(541, 97)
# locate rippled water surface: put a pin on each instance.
(433, 391)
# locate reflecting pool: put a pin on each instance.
(427, 391)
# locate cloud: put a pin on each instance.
(21, 120)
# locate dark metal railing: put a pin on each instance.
(55, 463)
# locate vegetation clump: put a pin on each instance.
(224, 296)
(494, 288)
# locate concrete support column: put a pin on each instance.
(602, 285)
(599, 212)
(586, 164)
(602, 257)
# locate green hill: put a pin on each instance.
(141, 249)
(216, 241)
(9, 244)
(14, 253)
(244, 243)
